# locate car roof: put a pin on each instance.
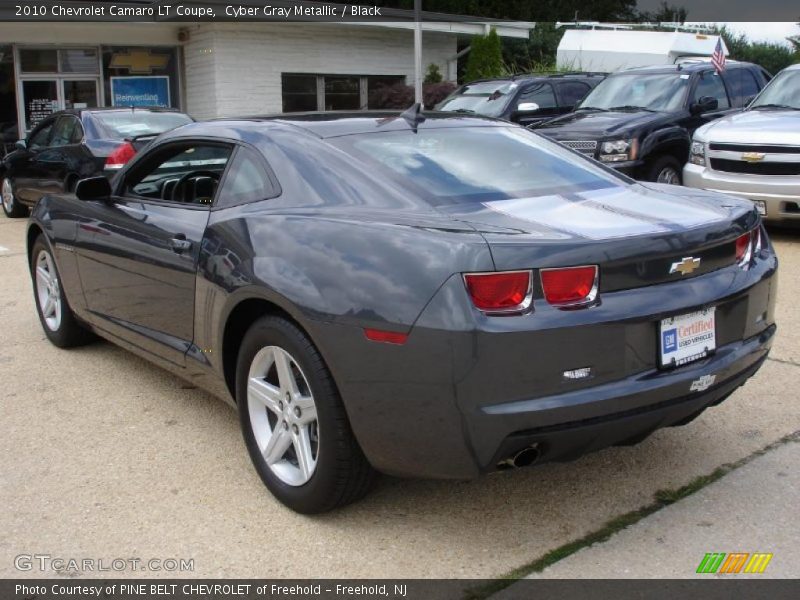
(532, 77)
(330, 124)
(685, 67)
(94, 109)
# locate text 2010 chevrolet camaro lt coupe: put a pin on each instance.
(438, 297)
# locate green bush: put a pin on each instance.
(485, 58)
(433, 75)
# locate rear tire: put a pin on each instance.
(294, 423)
(664, 169)
(11, 205)
(57, 319)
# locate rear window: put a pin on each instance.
(487, 98)
(476, 164)
(128, 124)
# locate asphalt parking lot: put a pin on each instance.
(106, 456)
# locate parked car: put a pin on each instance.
(523, 99)
(640, 121)
(755, 154)
(431, 298)
(74, 144)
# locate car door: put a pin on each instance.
(708, 83)
(542, 95)
(570, 93)
(26, 170)
(56, 161)
(138, 252)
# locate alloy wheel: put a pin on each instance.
(668, 175)
(48, 290)
(283, 415)
(8, 196)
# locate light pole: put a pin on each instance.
(418, 51)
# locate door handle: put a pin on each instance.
(180, 244)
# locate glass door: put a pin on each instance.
(79, 93)
(40, 99)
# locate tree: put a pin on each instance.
(433, 75)
(486, 57)
(770, 55)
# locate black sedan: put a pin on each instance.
(74, 144)
(439, 298)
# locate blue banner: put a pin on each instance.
(140, 91)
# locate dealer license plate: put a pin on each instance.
(686, 338)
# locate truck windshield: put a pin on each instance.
(782, 92)
(651, 91)
(488, 98)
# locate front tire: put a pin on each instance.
(664, 169)
(293, 421)
(59, 323)
(11, 205)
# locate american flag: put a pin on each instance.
(718, 58)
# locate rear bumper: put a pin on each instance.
(780, 194)
(466, 391)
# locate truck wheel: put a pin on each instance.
(664, 169)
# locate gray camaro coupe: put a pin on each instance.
(424, 295)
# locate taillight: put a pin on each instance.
(500, 293)
(570, 286)
(121, 155)
(747, 245)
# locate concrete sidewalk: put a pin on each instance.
(752, 509)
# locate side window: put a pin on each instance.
(63, 131)
(742, 85)
(246, 181)
(542, 94)
(572, 92)
(41, 136)
(710, 84)
(184, 173)
(77, 133)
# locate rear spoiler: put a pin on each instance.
(143, 137)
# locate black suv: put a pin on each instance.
(524, 99)
(640, 121)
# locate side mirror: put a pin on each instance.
(93, 188)
(704, 104)
(20, 145)
(527, 107)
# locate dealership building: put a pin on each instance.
(212, 69)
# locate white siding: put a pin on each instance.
(235, 69)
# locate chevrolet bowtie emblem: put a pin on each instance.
(685, 266)
(753, 156)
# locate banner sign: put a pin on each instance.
(140, 91)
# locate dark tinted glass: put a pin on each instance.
(541, 94)
(41, 137)
(246, 181)
(742, 85)
(38, 61)
(342, 93)
(572, 92)
(63, 131)
(299, 92)
(710, 84)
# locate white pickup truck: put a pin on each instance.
(755, 154)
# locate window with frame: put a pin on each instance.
(41, 137)
(742, 85)
(309, 92)
(247, 180)
(709, 84)
(63, 131)
(573, 92)
(183, 173)
(541, 94)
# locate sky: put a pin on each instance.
(764, 31)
